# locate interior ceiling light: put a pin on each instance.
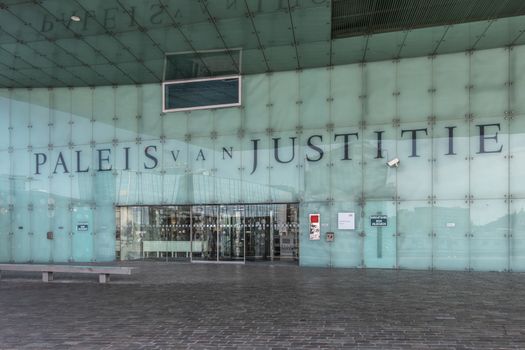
(75, 18)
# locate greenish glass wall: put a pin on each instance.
(457, 200)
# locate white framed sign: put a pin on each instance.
(346, 221)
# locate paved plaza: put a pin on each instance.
(262, 306)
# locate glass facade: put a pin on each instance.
(318, 137)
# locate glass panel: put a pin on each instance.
(82, 174)
(201, 160)
(489, 244)
(150, 173)
(61, 220)
(517, 157)
(174, 125)
(228, 121)
(40, 242)
(380, 99)
(380, 234)
(414, 82)
(317, 165)
(124, 187)
(168, 233)
(415, 235)
(156, 234)
(284, 167)
(517, 235)
(256, 168)
(379, 147)
(314, 252)
(283, 233)
(451, 155)
(19, 118)
(61, 116)
(104, 114)
(21, 224)
(5, 237)
(104, 239)
(451, 230)
(22, 234)
(489, 145)
(347, 246)
(180, 238)
(346, 91)
(133, 228)
(346, 166)
(314, 92)
(451, 79)
(202, 64)
(489, 75)
(176, 179)
(40, 113)
(5, 212)
(5, 102)
(228, 163)
(256, 91)
(128, 100)
(200, 123)
(414, 180)
(284, 96)
(82, 105)
(518, 70)
(82, 238)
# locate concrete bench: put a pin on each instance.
(47, 270)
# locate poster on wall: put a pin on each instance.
(315, 227)
(346, 221)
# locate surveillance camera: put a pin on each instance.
(393, 163)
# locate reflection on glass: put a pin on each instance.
(208, 232)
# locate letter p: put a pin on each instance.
(40, 159)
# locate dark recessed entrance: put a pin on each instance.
(208, 233)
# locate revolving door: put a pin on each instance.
(236, 233)
(218, 233)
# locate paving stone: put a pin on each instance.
(261, 306)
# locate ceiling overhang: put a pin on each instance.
(126, 41)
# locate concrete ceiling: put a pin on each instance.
(126, 41)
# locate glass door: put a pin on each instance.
(131, 232)
(231, 233)
(170, 238)
(217, 233)
(257, 226)
(204, 233)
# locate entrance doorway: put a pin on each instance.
(208, 233)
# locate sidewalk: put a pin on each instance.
(204, 306)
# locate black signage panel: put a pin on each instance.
(378, 220)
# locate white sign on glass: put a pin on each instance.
(346, 221)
